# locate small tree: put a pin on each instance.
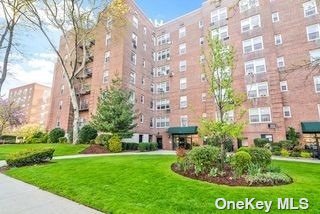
(55, 134)
(87, 133)
(115, 113)
(218, 66)
(10, 114)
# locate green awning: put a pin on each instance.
(310, 127)
(190, 130)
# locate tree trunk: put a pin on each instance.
(223, 155)
(6, 58)
(76, 114)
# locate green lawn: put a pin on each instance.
(146, 184)
(61, 149)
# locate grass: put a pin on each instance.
(61, 149)
(146, 184)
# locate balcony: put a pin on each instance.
(88, 44)
(87, 73)
(84, 106)
(84, 90)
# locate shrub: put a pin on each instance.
(115, 144)
(275, 148)
(63, 140)
(261, 142)
(145, 147)
(273, 168)
(130, 146)
(306, 154)
(203, 158)
(30, 133)
(253, 169)
(295, 154)
(241, 162)
(153, 146)
(214, 172)
(277, 153)
(103, 139)
(287, 144)
(285, 153)
(86, 134)
(268, 178)
(260, 156)
(55, 134)
(30, 157)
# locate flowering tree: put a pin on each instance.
(10, 114)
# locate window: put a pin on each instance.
(151, 122)
(248, 4)
(107, 56)
(286, 112)
(251, 45)
(144, 30)
(163, 104)
(135, 22)
(183, 66)
(108, 39)
(221, 33)
(163, 39)
(183, 83)
(280, 62)
(163, 71)
(133, 57)
(58, 122)
(132, 97)
(60, 104)
(201, 41)
(202, 59)
(62, 89)
(256, 66)
(164, 54)
(275, 17)
(310, 8)
(141, 118)
(284, 86)
(134, 40)
(162, 87)
(144, 63)
(142, 99)
(278, 39)
(203, 77)
(250, 23)
(200, 24)
(218, 15)
(133, 78)
(182, 32)
(143, 80)
(182, 49)
(315, 56)
(260, 115)
(184, 121)
(313, 32)
(317, 84)
(105, 77)
(257, 90)
(183, 102)
(203, 97)
(144, 46)
(162, 122)
(228, 116)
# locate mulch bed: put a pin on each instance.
(95, 149)
(227, 179)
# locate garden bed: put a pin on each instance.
(95, 149)
(227, 179)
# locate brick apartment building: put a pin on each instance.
(161, 66)
(34, 100)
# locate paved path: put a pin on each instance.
(17, 197)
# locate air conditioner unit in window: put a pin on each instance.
(171, 74)
(168, 58)
(169, 43)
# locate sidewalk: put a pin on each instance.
(17, 197)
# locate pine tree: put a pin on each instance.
(115, 113)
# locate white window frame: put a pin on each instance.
(135, 21)
(182, 49)
(133, 58)
(105, 77)
(222, 32)
(107, 56)
(317, 31)
(108, 39)
(162, 71)
(275, 17)
(184, 121)
(259, 114)
(256, 63)
(282, 85)
(287, 109)
(310, 6)
(250, 23)
(162, 122)
(316, 80)
(245, 5)
(183, 83)
(132, 78)
(252, 43)
(183, 66)
(278, 39)
(219, 15)
(204, 97)
(257, 88)
(281, 62)
(183, 102)
(182, 32)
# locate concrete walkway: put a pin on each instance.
(18, 197)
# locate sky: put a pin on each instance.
(35, 60)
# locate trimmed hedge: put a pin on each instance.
(241, 162)
(203, 158)
(30, 157)
(114, 144)
(8, 139)
(260, 156)
(55, 134)
(147, 147)
(130, 146)
(261, 142)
